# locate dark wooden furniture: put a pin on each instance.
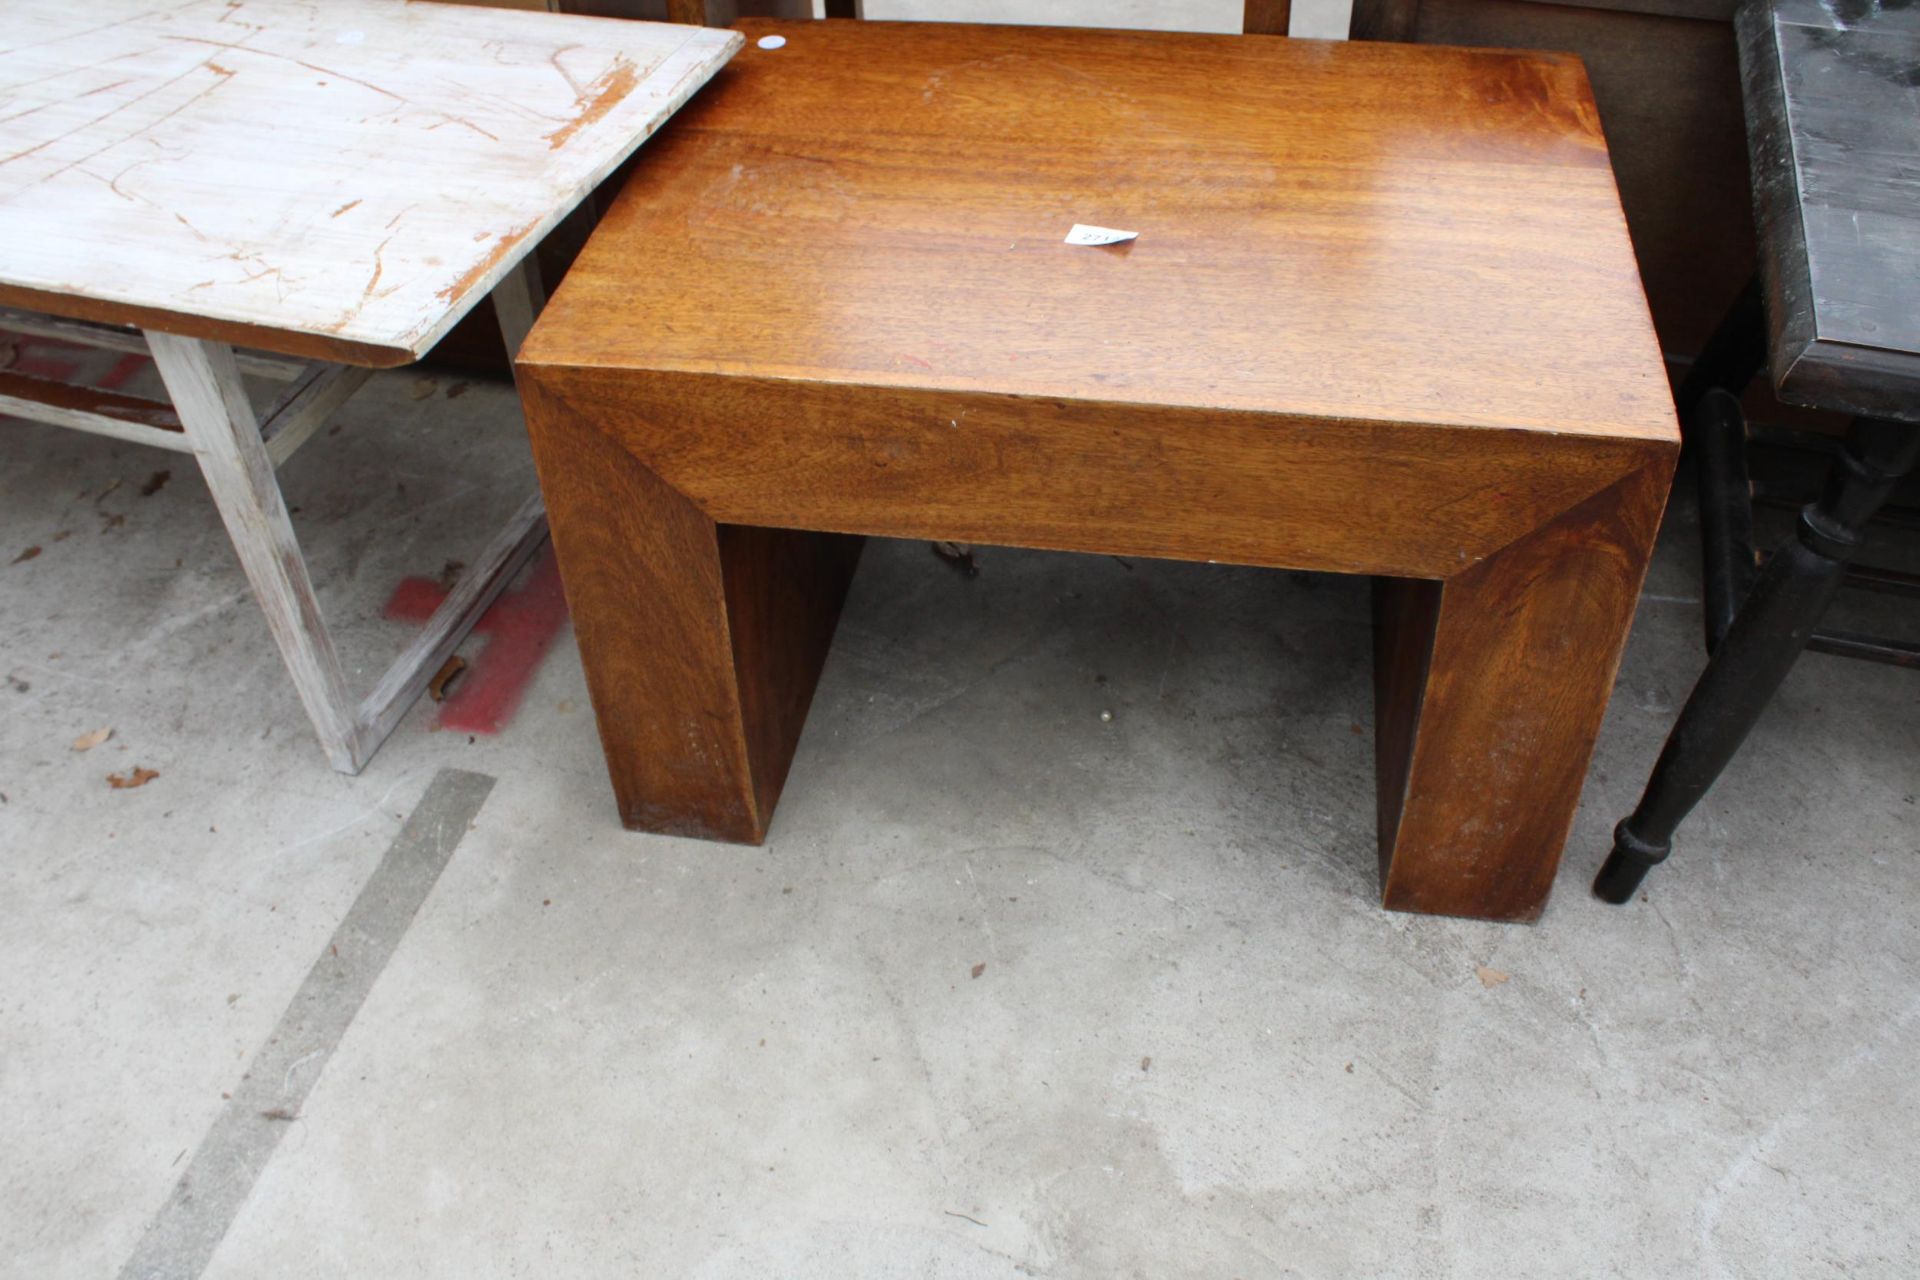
(1833, 110)
(1382, 318)
(1262, 17)
(1833, 107)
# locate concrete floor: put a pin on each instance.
(1197, 1048)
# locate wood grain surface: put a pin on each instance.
(1381, 318)
(1089, 474)
(1370, 232)
(702, 642)
(341, 180)
(1490, 688)
(1668, 89)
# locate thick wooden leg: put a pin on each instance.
(1489, 691)
(702, 642)
(204, 383)
(1767, 635)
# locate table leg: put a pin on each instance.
(517, 300)
(203, 380)
(1734, 353)
(1772, 627)
(1489, 691)
(702, 642)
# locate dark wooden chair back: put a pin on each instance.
(1263, 17)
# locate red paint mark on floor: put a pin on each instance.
(520, 627)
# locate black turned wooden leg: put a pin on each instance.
(1731, 357)
(1759, 648)
(1717, 432)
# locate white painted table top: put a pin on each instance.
(340, 178)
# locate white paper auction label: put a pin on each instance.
(1084, 234)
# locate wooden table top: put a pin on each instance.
(1833, 121)
(1326, 230)
(342, 180)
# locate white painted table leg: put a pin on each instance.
(204, 382)
(477, 589)
(517, 299)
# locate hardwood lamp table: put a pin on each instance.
(1381, 317)
(333, 185)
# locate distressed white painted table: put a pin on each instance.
(328, 185)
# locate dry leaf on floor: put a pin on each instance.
(155, 483)
(980, 968)
(437, 687)
(422, 388)
(28, 554)
(88, 741)
(138, 778)
(1491, 977)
